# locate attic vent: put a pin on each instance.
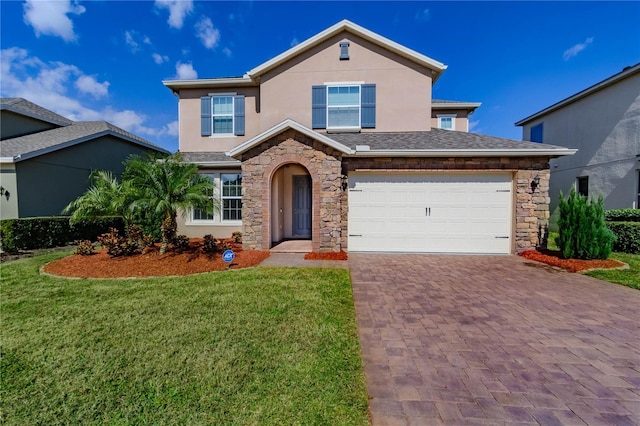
(344, 51)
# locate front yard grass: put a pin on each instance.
(256, 346)
(629, 277)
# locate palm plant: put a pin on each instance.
(166, 186)
(105, 197)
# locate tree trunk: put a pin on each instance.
(169, 228)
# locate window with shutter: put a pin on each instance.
(343, 107)
(222, 115)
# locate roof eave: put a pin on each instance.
(346, 25)
(455, 105)
(72, 142)
(34, 116)
(582, 94)
(465, 153)
(209, 83)
(232, 163)
(7, 160)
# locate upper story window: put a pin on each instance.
(222, 115)
(583, 185)
(447, 121)
(536, 133)
(344, 106)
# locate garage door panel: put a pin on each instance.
(458, 213)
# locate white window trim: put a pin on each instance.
(235, 197)
(233, 119)
(345, 128)
(453, 120)
(217, 194)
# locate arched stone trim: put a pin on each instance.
(324, 166)
(266, 198)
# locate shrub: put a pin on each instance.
(627, 236)
(237, 236)
(210, 244)
(181, 243)
(47, 232)
(583, 233)
(622, 215)
(116, 244)
(85, 248)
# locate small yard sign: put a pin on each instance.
(228, 256)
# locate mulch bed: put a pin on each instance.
(554, 258)
(152, 264)
(337, 255)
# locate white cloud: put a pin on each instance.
(159, 59)
(88, 84)
(294, 42)
(60, 88)
(178, 11)
(129, 39)
(227, 52)
(146, 40)
(423, 15)
(206, 32)
(185, 71)
(50, 17)
(172, 128)
(575, 49)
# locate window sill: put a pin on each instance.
(343, 129)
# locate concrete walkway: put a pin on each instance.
(494, 340)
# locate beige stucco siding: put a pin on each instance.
(403, 89)
(403, 93)
(8, 181)
(189, 114)
(461, 120)
(604, 127)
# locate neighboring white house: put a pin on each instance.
(603, 123)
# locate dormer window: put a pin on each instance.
(447, 121)
(344, 51)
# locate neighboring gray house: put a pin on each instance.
(603, 123)
(46, 159)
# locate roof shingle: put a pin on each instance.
(25, 107)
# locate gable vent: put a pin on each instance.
(344, 51)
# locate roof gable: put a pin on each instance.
(625, 73)
(348, 26)
(29, 109)
(33, 145)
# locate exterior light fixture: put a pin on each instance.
(4, 192)
(535, 182)
(345, 182)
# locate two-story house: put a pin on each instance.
(603, 123)
(46, 159)
(337, 140)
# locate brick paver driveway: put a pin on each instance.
(494, 340)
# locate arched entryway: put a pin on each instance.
(291, 208)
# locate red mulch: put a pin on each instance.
(334, 255)
(554, 258)
(153, 264)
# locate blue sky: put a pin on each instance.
(94, 60)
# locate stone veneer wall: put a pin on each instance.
(324, 165)
(531, 208)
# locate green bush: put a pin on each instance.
(622, 215)
(583, 233)
(46, 232)
(627, 236)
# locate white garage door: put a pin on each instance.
(437, 213)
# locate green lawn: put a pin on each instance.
(256, 346)
(629, 277)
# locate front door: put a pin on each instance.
(302, 206)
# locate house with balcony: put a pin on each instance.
(603, 123)
(338, 141)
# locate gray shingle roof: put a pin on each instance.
(218, 158)
(28, 146)
(435, 139)
(24, 107)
